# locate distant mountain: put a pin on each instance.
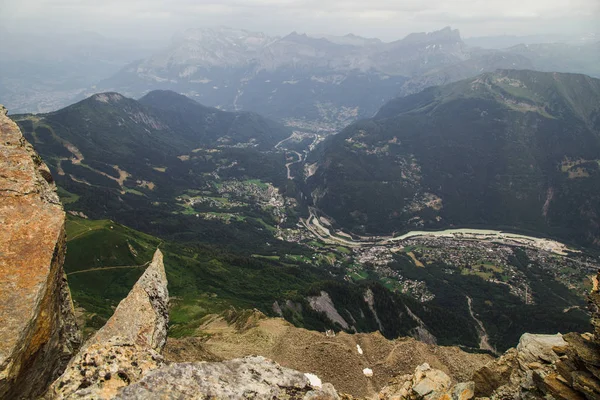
(509, 149)
(324, 82)
(506, 41)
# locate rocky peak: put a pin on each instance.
(38, 333)
(445, 35)
(126, 347)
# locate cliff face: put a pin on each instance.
(38, 333)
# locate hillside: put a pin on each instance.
(115, 157)
(511, 149)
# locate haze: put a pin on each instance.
(387, 19)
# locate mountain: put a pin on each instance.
(320, 83)
(510, 149)
(117, 157)
(506, 41)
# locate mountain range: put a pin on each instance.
(316, 83)
(330, 80)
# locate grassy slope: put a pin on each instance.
(201, 280)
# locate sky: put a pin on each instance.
(387, 19)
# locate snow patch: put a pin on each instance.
(314, 380)
(368, 372)
(359, 349)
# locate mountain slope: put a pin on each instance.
(512, 149)
(117, 158)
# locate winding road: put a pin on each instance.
(287, 166)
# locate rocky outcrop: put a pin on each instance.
(547, 366)
(428, 384)
(127, 347)
(38, 333)
(245, 378)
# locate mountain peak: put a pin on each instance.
(108, 97)
(446, 34)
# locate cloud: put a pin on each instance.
(391, 19)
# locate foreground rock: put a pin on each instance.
(127, 347)
(428, 384)
(38, 333)
(561, 367)
(245, 378)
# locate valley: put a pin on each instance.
(234, 197)
(299, 200)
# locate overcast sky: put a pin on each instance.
(386, 19)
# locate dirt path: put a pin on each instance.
(106, 268)
(484, 343)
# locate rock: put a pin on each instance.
(463, 391)
(586, 350)
(38, 333)
(429, 384)
(243, 378)
(142, 317)
(587, 384)
(534, 348)
(495, 374)
(548, 366)
(427, 381)
(559, 390)
(127, 347)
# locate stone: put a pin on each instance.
(127, 347)
(587, 350)
(38, 332)
(559, 390)
(426, 383)
(463, 391)
(587, 384)
(242, 378)
(495, 374)
(535, 348)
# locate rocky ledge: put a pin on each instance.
(38, 333)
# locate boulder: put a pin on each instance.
(127, 347)
(534, 348)
(38, 333)
(429, 384)
(243, 378)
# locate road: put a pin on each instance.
(287, 166)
